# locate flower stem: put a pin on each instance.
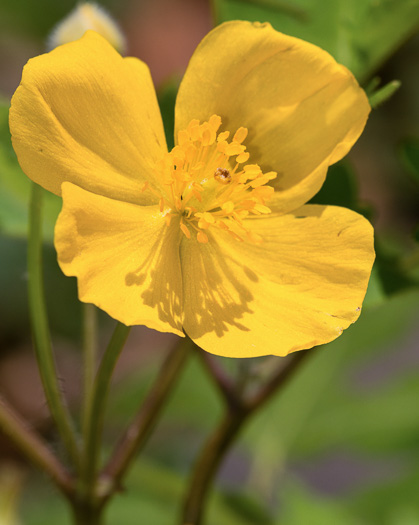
(34, 448)
(140, 429)
(278, 379)
(213, 452)
(89, 359)
(40, 329)
(84, 514)
(221, 380)
(95, 411)
(207, 465)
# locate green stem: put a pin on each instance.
(215, 449)
(140, 429)
(40, 329)
(83, 514)
(221, 380)
(384, 93)
(34, 448)
(89, 359)
(207, 464)
(95, 412)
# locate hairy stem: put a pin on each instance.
(89, 360)
(95, 411)
(34, 448)
(40, 329)
(140, 429)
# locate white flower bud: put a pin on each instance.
(87, 16)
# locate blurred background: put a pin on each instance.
(341, 443)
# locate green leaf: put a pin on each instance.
(15, 189)
(360, 34)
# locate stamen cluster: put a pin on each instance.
(209, 183)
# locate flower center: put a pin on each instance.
(209, 183)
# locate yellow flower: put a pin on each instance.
(212, 238)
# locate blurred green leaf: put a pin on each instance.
(341, 189)
(38, 18)
(15, 189)
(360, 34)
(193, 392)
(64, 310)
(392, 502)
(300, 507)
(246, 505)
(375, 293)
(389, 265)
(167, 98)
(323, 407)
(409, 154)
(154, 495)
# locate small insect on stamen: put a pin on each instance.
(222, 175)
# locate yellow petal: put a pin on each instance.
(125, 257)
(300, 287)
(85, 115)
(303, 111)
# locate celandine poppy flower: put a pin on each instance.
(212, 238)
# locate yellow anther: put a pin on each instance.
(243, 157)
(215, 122)
(222, 225)
(192, 124)
(202, 237)
(234, 149)
(223, 136)
(185, 230)
(261, 208)
(240, 135)
(254, 237)
(252, 170)
(189, 211)
(206, 181)
(209, 217)
(221, 146)
(197, 195)
(195, 132)
(205, 220)
(260, 181)
(161, 204)
(228, 206)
